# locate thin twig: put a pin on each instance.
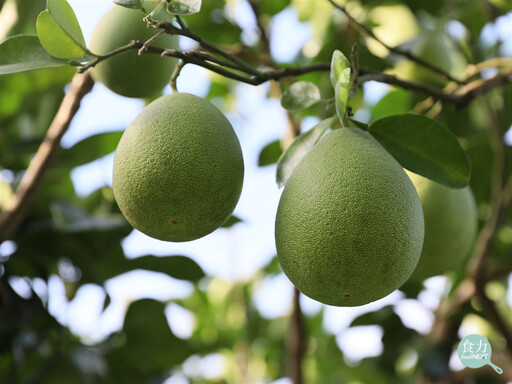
(408, 85)
(150, 41)
(476, 265)
(459, 99)
(175, 74)
(497, 62)
(397, 50)
(191, 58)
(173, 30)
(213, 59)
(180, 22)
(200, 60)
(128, 47)
(424, 105)
(495, 316)
(290, 72)
(11, 218)
(263, 33)
(355, 69)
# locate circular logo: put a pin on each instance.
(475, 351)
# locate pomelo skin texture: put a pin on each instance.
(128, 74)
(450, 226)
(349, 226)
(178, 169)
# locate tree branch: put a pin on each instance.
(459, 98)
(477, 273)
(495, 316)
(175, 74)
(234, 68)
(124, 48)
(150, 41)
(355, 69)
(11, 218)
(397, 50)
(296, 345)
(475, 268)
(204, 60)
(173, 30)
(191, 57)
(263, 33)
(497, 62)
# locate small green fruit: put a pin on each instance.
(178, 169)
(349, 226)
(450, 226)
(129, 74)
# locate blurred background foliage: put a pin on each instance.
(78, 239)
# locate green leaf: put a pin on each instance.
(184, 7)
(66, 18)
(231, 221)
(397, 101)
(59, 31)
(90, 149)
(148, 348)
(300, 95)
(271, 7)
(270, 153)
(55, 40)
(24, 53)
(339, 63)
(424, 147)
(299, 148)
(179, 267)
(213, 23)
(135, 4)
(340, 80)
(273, 267)
(358, 124)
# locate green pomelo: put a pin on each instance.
(450, 226)
(178, 169)
(349, 226)
(129, 74)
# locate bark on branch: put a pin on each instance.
(11, 218)
(296, 343)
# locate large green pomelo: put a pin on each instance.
(349, 226)
(178, 169)
(450, 226)
(129, 74)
